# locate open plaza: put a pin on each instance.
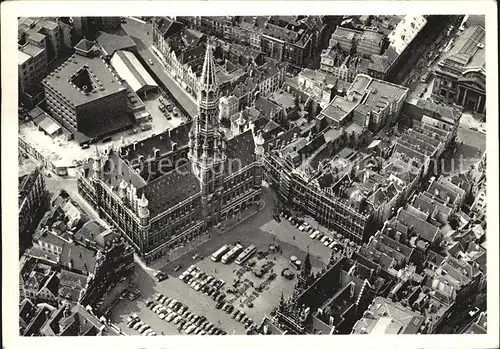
(257, 296)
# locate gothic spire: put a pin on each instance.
(208, 79)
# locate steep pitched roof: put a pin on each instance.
(170, 189)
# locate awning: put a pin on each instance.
(49, 126)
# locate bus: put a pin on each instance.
(247, 253)
(216, 256)
(229, 256)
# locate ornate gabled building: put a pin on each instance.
(156, 207)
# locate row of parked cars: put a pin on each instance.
(140, 326)
(171, 310)
(200, 281)
(313, 234)
(212, 287)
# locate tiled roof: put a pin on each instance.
(167, 26)
(163, 142)
(52, 239)
(80, 258)
(121, 170)
(170, 189)
(422, 228)
(88, 231)
(241, 147)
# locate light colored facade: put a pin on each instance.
(32, 66)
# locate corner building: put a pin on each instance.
(157, 207)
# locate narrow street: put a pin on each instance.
(142, 34)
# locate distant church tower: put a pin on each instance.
(207, 146)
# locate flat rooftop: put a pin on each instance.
(31, 50)
(79, 71)
(339, 108)
(22, 57)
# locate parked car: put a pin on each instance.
(170, 316)
(190, 329)
(143, 328)
(131, 323)
(132, 317)
(166, 300)
(178, 267)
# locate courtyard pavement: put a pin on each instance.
(259, 229)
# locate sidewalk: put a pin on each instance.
(178, 252)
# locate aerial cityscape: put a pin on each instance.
(258, 175)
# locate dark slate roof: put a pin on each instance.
(115, 169)
(395, 245)
(81, 258)
(27, 311)
(241, 148)
(112, 41)
(52, 239)
(35, 326)
(162, 142)
(422, 228)
(265, 106)
(167, 27)
(71, 285)
(88, 231)
(52, 284)
(170, 189)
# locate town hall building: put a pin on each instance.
(165, 190)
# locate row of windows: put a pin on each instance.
(237, 193)
(179, 213)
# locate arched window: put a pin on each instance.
(211, 95)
